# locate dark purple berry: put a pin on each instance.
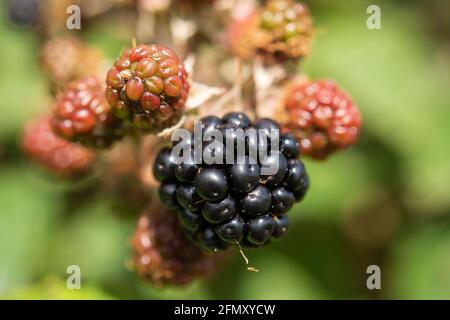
(211, 184)
(300, 193)
(256, 202)
(295, 175)
(210, 123)
(260, 229)
(266, 126)
(188, 198)
(24, 13)
(238, 120)
(275, 161)
(164, 167)
(218, 212)
(186, 171)
(190, 220)
(209, 241)
(281, 226)
(231, 231)
(282, 200)
(289, 146)
(168, 195)
(245, 176)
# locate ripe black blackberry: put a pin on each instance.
(24, 13)
(240, 201)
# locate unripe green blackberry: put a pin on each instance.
(289, 26)
(55, 154)
(281, 30)
(82, 114)
(322, 117)
(148, 87)
(162, 253)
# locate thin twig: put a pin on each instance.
(249, 268)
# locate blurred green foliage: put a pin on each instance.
(398, 176)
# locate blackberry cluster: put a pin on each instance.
(162, 253)
(57, 155)
(225, 204)
(322, 117)
(82, 114)
(281, 30)
(148, 87)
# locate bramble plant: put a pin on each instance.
(232, 187)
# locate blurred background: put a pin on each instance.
(384, 202)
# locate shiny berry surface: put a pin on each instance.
(82, 114)
(221, 204)
(148, 87)
(322, 117)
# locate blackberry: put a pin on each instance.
(288, 26)
(57, 155)
(221, 204)
(148, 87)
(163, 255)
(281, 30)
(81, 114)
(24, 13)
(322, 117)
(244, 36)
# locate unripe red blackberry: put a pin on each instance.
(65, 59)
(322, 117)
(82, 114)
(162, 253)
(148, 87)
(57, 155)
(244, 36)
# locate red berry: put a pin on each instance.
(82, 114)
(163, 254)
(57, 155)
(322, 117)
(148, 87)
